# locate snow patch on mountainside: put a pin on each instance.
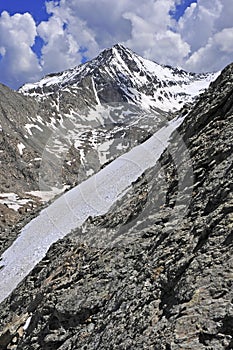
(12, 200)
(46, 196)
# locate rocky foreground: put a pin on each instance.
(156, 272)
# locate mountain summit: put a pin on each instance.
(120, 75)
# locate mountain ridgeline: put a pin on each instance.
(154, 272)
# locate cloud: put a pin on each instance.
(168, 48)
(60, 51)
(142, 26)
(225, 18)
(216, 54)
(201, 40)
(17, 35)
(207, 28)
(197, 24)
(153, 34)
(104, 18)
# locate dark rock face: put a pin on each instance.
(147, 275)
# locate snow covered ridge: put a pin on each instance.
(92, 197)
(139, 81)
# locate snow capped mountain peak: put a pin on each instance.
(129, 77)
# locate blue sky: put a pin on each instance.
(37, 8)
(39, 37)
(180, 8)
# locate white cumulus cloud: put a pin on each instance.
(207, 28)
(216, 54)
(61, 50)
(17, 35)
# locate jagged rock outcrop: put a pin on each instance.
(156, 271)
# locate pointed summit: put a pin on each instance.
(117, 47)
(118, 74)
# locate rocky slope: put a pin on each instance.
(59, 131)
(156, 271)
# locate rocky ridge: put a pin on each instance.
(156, 271)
